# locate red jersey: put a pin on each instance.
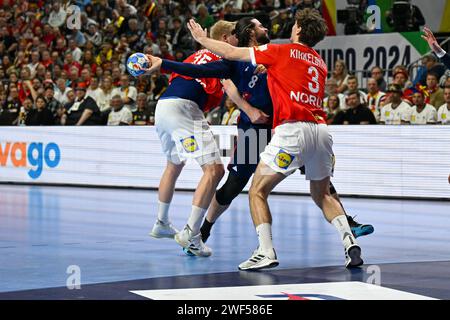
(212, 86)
(296, 76)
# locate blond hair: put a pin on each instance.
(221, 28)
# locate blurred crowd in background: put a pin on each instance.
(54, 72)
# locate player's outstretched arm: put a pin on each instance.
(432, 42)
(220, 48)
(256, 116)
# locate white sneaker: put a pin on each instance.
(163, 230)
(260, 260)
(193, 243)
(353, 256)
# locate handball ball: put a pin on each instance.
(135, 62)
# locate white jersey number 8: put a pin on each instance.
(314, 86)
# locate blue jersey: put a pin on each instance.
(186, 89)
(252, 87)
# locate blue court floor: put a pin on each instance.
(46, 231)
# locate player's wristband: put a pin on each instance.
(441, 53)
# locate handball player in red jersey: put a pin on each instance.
(296, 81)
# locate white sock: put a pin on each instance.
(264, 231)
(163, 212)
(341, 224)
(196, 218)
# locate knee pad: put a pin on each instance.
(231, 189)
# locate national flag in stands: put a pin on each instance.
(150, 11)
(330, 15)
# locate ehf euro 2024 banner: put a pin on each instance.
(362, 52)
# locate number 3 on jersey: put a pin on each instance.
(314, 86)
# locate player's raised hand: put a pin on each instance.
(432, 42)
(198, 33)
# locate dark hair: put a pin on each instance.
(313, 26)
(337, 99)
(243, 31)
(41, 97)
(354, 92)
(352, 77)
(434, 74)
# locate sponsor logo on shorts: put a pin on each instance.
(189, 144)
(283, 159)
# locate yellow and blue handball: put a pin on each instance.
(136, 62)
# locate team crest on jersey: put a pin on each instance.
(189, 144)
(444, 116)
(283, 159)
(387, 113)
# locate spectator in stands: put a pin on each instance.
(57, 15)
(204, 18)
(94, 89)
(352, 85)
(40, 115)
(378, 74)
(105, 94)
(335, 115)
(374, 97)
(127, 92)
(401, 77)
(119, 115)
(84, 110)
(397, 111)
(75, 51)
(10, 108)
(232, 114)
(52, 104)
(340, 74)
(435, 93)
(331, 88)
(357, 112)
(422, 113)
(61, 91)
(179, 35)
(93, 35)
(142, 115)
(443, 115)
(430, 64)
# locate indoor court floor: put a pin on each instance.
(47, 232)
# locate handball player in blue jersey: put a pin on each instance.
(185, 134)
(255, 123)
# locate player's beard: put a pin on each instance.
(262, 39)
